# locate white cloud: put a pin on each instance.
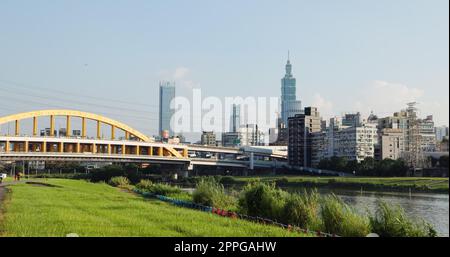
(324, 106)
(180, 76)
(384, 97)
(180, 73)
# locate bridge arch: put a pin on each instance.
(72, 113)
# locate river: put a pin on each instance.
(433, 208)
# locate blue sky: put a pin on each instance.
(347, 55)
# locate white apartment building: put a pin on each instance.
(356, 143)
(353, 143)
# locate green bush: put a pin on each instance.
(226, 180)
(119, 182)
(162, 189)
(144, 184)
(302, 210)
(391, 221)
(338, 218)
(209, 192)
(282, 181)
(263, 200)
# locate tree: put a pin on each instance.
(338, 163)
(400, 168)
(367, 167)
(353, 166)
(386, 168)
(324, 164)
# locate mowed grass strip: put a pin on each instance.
(90, 209)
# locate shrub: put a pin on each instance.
(338, 218)
(227, 180)
(162, 189)
(144, 184)
(302, 210)
(262, 199)
(119, 182)
(282, 181)
(209, 192)
(391, 221)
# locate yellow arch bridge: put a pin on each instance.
(135, 147)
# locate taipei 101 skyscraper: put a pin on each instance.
(290, 106)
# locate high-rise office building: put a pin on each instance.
(166, 95)
(290, 106)
(235, 118)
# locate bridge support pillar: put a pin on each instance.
(7, 147)
(35, 126)
(68, 133)
(98, 129)
(150, 151)
(17, 130)
(78, 147)
(160, 151)
(44, 147)
(26, 146)
(113, 133)
(83, 127)
(138, 150)
(52, 125)
(109, 148)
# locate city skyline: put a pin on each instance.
(341, 65)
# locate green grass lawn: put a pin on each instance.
(89, 209)
(434, 184)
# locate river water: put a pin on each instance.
(433, 208)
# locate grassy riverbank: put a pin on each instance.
(402, 184)
(97, 209)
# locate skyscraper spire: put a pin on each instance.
(288, 67)
(289, 103)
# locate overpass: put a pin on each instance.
(135, 147)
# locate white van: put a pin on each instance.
(3, 175)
